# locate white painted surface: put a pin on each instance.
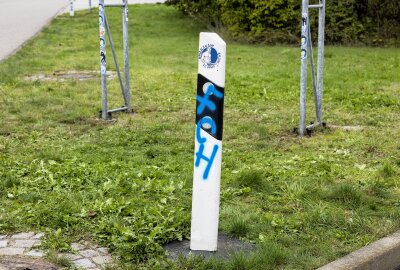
(206, 189)
(216, 75)
(205, 200)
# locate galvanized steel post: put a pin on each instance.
(321, 44)
(126, 55)
(103, 60)
(71, 8)
(303, 75)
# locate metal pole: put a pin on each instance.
(303, 75)
(103, 60)
(90, 6)
(126, 55)
(115, 57)
(71, 8)
(311, 52)
(320, 74)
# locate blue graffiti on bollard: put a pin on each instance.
(205, 103)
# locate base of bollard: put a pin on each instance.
(227, 246)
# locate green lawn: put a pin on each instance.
(303, 201)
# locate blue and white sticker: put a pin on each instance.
(303, 54)
(102, 43)
(303, 40)
(209, 56)
(304, 22)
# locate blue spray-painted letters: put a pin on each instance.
(207, 123)
(205, 102)
(209, 160)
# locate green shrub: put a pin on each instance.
(278, 21)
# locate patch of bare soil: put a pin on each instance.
(61, 76)
(16, 263)
(348, 128)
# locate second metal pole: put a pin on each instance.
(71, 8)
(303, 75)
(126, 55)
(103, 61)
(320, 74)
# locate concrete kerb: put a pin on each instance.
(383, 254)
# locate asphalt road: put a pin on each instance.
(20, 20)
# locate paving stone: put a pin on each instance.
(85, 263)
(38, 236)
(35, 253)
(3, 243)
(9, 251)
(24, 235)
(71, 256)
(89, 253)
(103, 250)
(102, 259)
(77, 246)
(25, 243)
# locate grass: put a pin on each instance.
(127, 184)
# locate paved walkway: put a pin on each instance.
(84, 4)
(27, 244)
(20, 20)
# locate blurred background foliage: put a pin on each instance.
(348, 22)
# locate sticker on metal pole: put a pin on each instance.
(103, 60)
(208, 142)
(71, 8)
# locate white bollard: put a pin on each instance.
(71, 8)
(208, 142)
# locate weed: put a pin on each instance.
(56, 241)
(239, 261)
(251, 178)
(239, 226)
(54, 257)
(347, 193)
(269, 255)
(387, 170)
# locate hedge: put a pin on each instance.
(372, 22)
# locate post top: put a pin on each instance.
(214, 36)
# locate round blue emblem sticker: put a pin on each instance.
(209, 56)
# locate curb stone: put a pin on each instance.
(383, 254)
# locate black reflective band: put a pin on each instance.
(217, 114)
